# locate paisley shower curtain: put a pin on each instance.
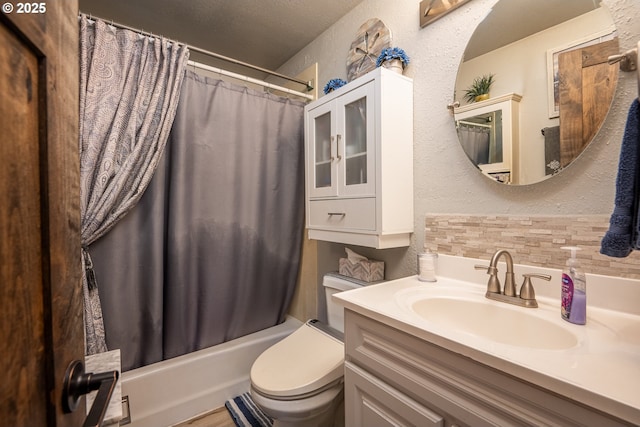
(129, 91)
(212, 250)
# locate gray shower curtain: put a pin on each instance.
(212, 250)
(475, 143)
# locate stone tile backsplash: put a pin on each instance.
(532, 240)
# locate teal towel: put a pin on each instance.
(623, 235)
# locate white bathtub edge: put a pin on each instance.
(178, 389)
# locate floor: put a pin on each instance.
(217, 418)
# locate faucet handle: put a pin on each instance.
(493, 285)
(488, 268)
(526, 291)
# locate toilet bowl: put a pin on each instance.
(299, 380)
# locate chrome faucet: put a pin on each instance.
(527, 297)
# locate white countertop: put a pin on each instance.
(602, 370)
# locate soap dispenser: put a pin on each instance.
(574, 290)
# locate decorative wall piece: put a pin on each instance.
(371, 38)
(430, 10)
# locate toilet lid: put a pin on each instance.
(301, 363)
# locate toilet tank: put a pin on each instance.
(334, 283)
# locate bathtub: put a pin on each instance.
(174, 390)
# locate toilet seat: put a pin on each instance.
(304, 363)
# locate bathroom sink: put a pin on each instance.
(503, 324)
(597, 363)
(630, 334)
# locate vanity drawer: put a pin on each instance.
(343, 214)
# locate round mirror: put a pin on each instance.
(550, 87)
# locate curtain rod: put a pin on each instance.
(249, 79)
(308, 84)
(481, 125)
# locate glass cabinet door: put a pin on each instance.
(321, 162)
(323, 150)
(355, 136)
(355, 142)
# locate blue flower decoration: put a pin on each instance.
(333, 85)
(390, 53)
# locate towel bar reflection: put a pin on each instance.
(628, 62)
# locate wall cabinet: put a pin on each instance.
(489, 134)
(394, 378)
(359, 162)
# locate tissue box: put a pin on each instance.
(368, 271)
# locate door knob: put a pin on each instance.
(78, 383)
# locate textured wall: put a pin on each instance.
(445, 181)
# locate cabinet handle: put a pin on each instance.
(332, 155)
(336, 214)
(339, 137)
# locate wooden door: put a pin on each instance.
(587, 86)
(41, 328)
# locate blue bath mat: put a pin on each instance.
(245, 412)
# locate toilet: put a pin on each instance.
(299, 380)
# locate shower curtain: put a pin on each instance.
(129, 91)
(212, 250)
(475, 143)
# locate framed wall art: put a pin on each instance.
(431, 10)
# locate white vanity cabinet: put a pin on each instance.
(359, 162)
(393, 378)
